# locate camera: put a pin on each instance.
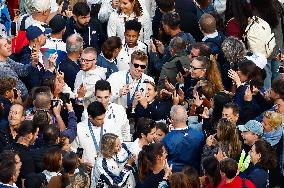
(65, 97)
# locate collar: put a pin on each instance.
(111, 61)
(210, 36)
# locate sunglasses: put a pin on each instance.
(141, 66)
(195, 68)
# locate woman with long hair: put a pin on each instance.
(211, 169)
(176, 180)
(263, 158)
(202, 68)
(69, 177)
(114, 165)
(236, 17)
(129, 10)
(227, 139)
(152, 165)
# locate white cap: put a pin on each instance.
(258, 59)
(41, 5)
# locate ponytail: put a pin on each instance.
(65, 181)
(147, 159)
(213, 74)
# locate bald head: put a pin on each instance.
(207, 24)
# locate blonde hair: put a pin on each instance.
(107, 145)
(274, 119)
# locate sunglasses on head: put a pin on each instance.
(141, 66)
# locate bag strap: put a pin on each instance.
(22, 26)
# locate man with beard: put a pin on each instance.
(27, 134)
(89, 28)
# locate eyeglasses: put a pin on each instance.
(86, 60)
(141, 66)
(194, 68)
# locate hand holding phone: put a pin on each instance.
(180, 68)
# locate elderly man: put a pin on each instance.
(184, 145)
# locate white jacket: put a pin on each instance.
(116, 25)
(89, 79)
(84, 140)
(115, 121)
(124, 56)
(105, 11)
(118, 79)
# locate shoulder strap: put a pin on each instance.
(23, 24)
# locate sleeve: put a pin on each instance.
(78, 82)
(163, 184)
(105, 11)
(161, 82)
(21, 69)
(112, 25)
(125, 127)
(71, 130)
(115, 90)
(106, 175)
(147, 27)
(258, 178)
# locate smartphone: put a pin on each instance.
(34, 50)
(199, 91)
(13, 29)
(143, 89)
(177, 87)
(233, 66)
(154, 41)
(279, 53)
(180, 67)
(15, 92)
(54, 103)
(251, 86)
(65, 97)
(79, 152)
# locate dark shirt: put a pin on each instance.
(7, 105)
(5, 137)
(152, 180)
(70, 70)
(26, 159)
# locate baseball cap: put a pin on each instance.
(41, 5)
(258, 59)
(252, 126)
(35, 31)
(57, 23)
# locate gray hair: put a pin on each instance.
(178, 113)
(178, 44)
(74, 45)
(234, 49)
(42, 100)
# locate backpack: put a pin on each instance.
(258, 37)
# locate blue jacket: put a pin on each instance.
(110, 66)
(184, 148)
(257, 175)
(215, 44)
(70, 70)
(5, 18)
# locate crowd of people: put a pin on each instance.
(141, 93)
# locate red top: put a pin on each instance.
(11, 6)
(236, 183)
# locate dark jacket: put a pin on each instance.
(92, 34)
(110, 66)
(4, 116)
(5, 137)
(184, 148)
(169, 69)
(215, 44)
(70, 70)
(157, 110)
(36, 76)
(257, 175)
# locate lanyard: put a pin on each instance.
(129, 100)
(93, 136)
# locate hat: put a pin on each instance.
(41, 5)
(252, 126)
(35, 31)
(57, 23)
(258, 59)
